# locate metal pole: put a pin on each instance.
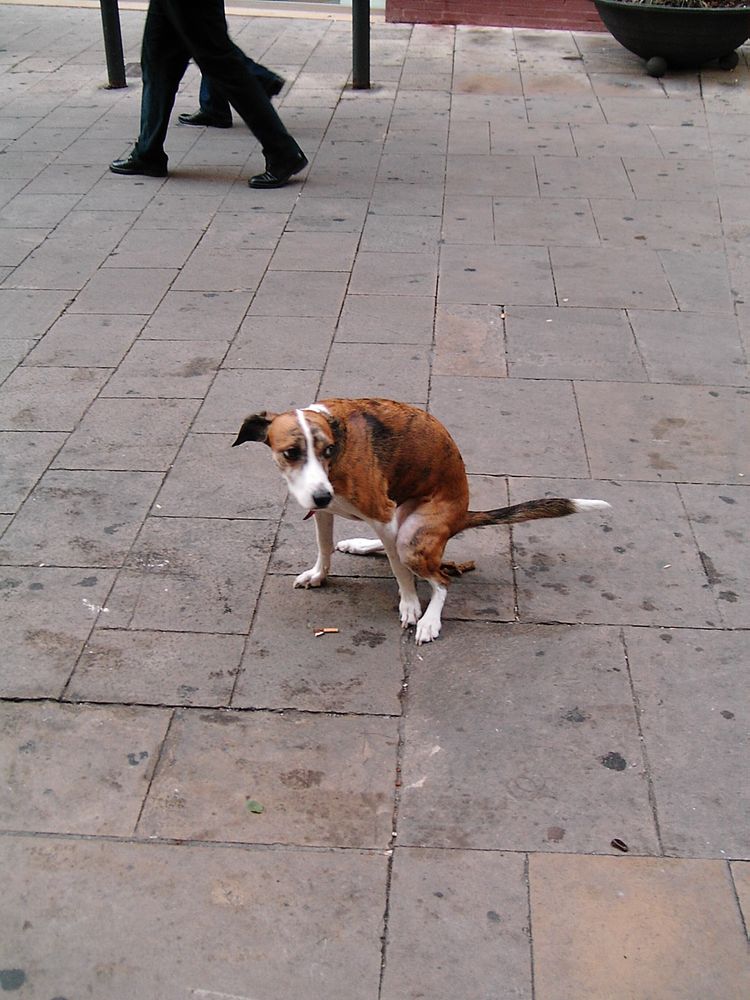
(113, 44)
(361, 44)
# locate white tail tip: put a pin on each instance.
(583, 505)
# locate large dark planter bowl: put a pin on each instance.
(679, 37)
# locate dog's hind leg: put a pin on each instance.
(409, 608)
(324, 534)
(360, 546)
(421, 544)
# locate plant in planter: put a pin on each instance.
(682, 34)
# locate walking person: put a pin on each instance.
(214, 109)
(175, 32)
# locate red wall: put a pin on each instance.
(578, 15)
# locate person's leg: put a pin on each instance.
(164, 59)
(214, 109)
(202, 26)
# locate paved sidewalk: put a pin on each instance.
(523, 232)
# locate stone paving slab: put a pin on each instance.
(630, 927)
(575, 788)
(56, 785)
(206, 922)
(320, 780)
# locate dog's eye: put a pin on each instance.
(292, 454)
(328, 451)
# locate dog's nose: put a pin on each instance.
(322, 498)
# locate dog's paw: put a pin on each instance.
(428, 628)
(359, 546)
(409, 610)
(310, 578)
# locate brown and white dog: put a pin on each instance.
(396, 468)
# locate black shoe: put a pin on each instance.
(201, 118)
(133, 165)
(277, 176)
(272, 84)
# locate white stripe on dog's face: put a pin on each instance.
(307, 480)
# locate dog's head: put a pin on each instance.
(304, 443)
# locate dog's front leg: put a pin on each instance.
(324, 534)
(409, 608)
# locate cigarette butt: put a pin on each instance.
(325, 631)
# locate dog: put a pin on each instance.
(396, 468)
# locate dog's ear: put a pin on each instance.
(255, 428)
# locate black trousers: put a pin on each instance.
(175, 32)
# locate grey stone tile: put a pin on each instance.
(80, 519)
(469, 340)
(616, 908)
(491, 107)
(394, 273)
(499, 175)
(183, 210)
(300, 293)
(167, 369)
(241, 231)
(659, 225)
(101, 229)
(680, 114)
(28, 314)
(35, 210)
(468, 219)
(45, 616)
(470, 138)
(493, 762)
(123, 434)
(522, 138)
(192, 575)
(741, 877)
(358, 669)
(345, 168)
(213, 270)
(68, 178)
(673, 347)
(609, 278)
(636, 564)
(293, 342)
(54, 886)
(124, 290)
(457, 926)
(411, 167)
(489, 419)
(684, 141)
(570, 342)
(699, 280)
(386, 319)
(154, 248)
(198, 315)
(544, 222)
(116, 192)
(568, 108)
(719, 518)
(156, 668)
(57, 785)
(17, 243)
(390, 371)
(403, 234)
(582, 177)
(323, 215)
(59, 263)
(614, 139)
(210, 479)
(303, 251)
(86, 341)
(321, 780)
(25, 457)
(481, 274)
(48, 399)
(690, 686)
(40, 138)
(665, 432)
(674, 178)
(406, 199)
(236, 394)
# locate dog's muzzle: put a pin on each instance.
(322, 498)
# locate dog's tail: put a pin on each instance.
(530, 510)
